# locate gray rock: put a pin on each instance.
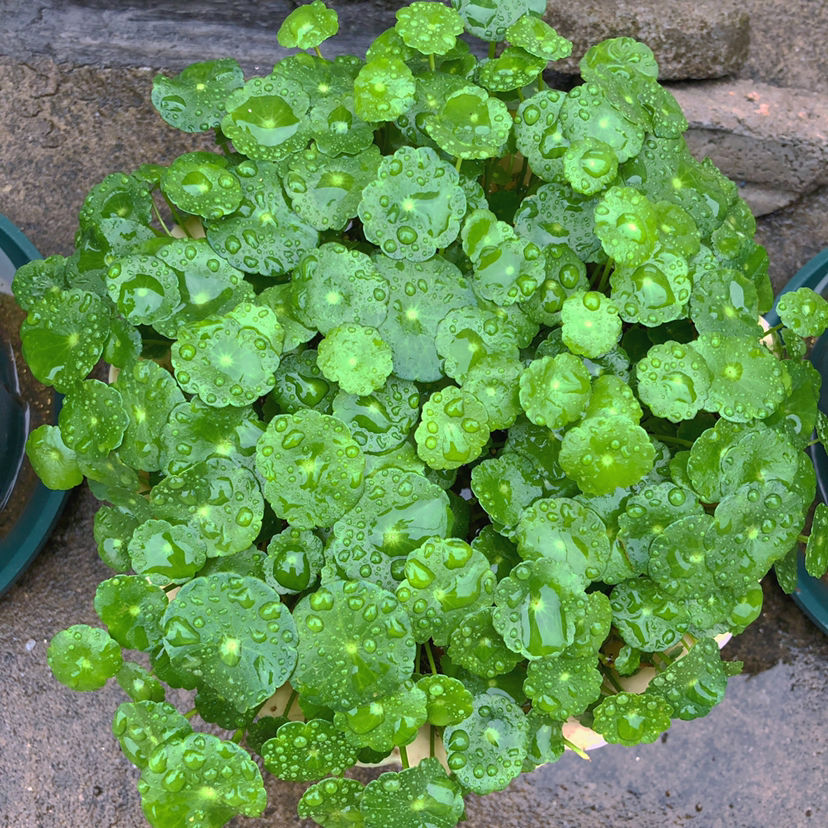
(691, 40)
(765, 135)
(765, 200)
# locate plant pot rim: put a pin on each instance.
(21, 541)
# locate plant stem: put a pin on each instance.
(237, 736)
(575, 749)
(291, 700)
(540, 82)
(431, 740)
(430, 657)
(772, 330)
(190, 713)
(160, 220)
(318, 52)
(520, 94)
(611, 679)
(605, 274)
(667, 438)
(431, 64)
(404, 756)
(803, 539)
(492, 47)
(522, 187)
(457, 164)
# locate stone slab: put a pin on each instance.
(765, 135)
(691, 40)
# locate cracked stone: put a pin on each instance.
(699, 40)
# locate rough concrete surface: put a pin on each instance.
(67, 118)
(698, 40)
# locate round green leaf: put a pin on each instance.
(513, 68)
(308, 26)
(562, 530)
(326, 191)
(166, 554)
(194, 100)
(591, 325)
(334, 286)
(92, 419)
(355, 357)
(448, 702)
(554, 391)
(132, 609)
(138, 684)
(538, 133)
(486, 751)
(673, 380)
(804, 312)
(476, 645)
(411, 798)
(630, 719)
(140, 727)
(333, 803)
(747, 380)
(83, 657)
(231, 633)
(231, 359)
(264, 235)
(384, 89)
(63, 336)
(202, 780)
(562, 686)
(453, 429)
(606, 452)
(627, 225)
(469, 124)
(385, 722)
(538, 38)
(312, 468)
(266, 119)
(445, 579)
(306, 751)
(144, 288)
(589, 165)
(221, 499)
(490, 19)
(355, 644)
(414, 206)
(200, 183)
(430, 28)
(379, 421)
(196, 431)
(646, 617)
(294, 558)
(54, 463)
(536, 608)
(149, 395)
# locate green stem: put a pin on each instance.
(318, 52)
(190, 713)
(605, 274)
(667, 438)
(575, 749)
(430, 657)
(492, 48)
(803, 539)
(404, 756)
(237, 736)
(520, 94)
(772, 330)
(291, 700)
(160, 220)
(176, 215)
(540, 82)
(431, 740)
(431, 64)
(522, 186)
(457, 164)
(611, 679)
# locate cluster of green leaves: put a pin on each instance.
(442, 406)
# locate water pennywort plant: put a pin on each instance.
(442, 407)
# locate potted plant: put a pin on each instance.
(441, 416)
